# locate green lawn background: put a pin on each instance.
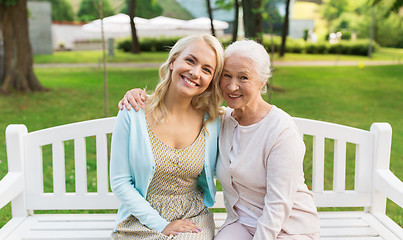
(351, 96)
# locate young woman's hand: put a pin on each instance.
(135, 97)
(184, 226)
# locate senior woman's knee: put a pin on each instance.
(234, 231)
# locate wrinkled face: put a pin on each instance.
(239, 83)
(193, 69)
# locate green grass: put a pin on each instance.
(346, 95)
(96, 57)
(383, 54)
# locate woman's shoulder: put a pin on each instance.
(131, 114)
(282, 120)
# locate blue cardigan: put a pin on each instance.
(132, 168)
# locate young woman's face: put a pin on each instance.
(239, 82)
(193, 69)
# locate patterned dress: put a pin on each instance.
(173, 192)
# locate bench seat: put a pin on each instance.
(23, 186)
(334, 226)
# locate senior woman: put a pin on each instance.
(261, 155)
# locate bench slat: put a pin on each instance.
(68, 235)
(102, 163)
(339, 175)
(352, 238)
(59, 171)
(49, 201)
(80, 165)
(348, 232)
(318, 158)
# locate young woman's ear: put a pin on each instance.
(171, 66)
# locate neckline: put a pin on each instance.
(170, 147)
(254, 124)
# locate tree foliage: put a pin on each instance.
(333, 9)
(144, 8)
(62, 10)
(356, 18)
(394, 7)
(89, 9)
(8, 3)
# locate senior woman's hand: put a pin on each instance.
(136, 97)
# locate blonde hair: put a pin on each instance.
(210, 100)
(257, 54)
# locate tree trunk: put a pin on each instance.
(135, 41)
(253, 20)
(210, 14)
(236, 20)
(285, 29)
(18, 57)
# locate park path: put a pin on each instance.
(275, 63)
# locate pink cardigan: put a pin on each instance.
(269, 175)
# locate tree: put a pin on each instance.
(236, 20)
(18, 57)
(253, 21)
(62, 10)
(144, 8)
(284, 33)
(332, 9)
(210, 14)
(228, 5)
(88, 10)
(135, 48)
(395, 6)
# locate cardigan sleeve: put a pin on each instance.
(283, 163)
(123, 180)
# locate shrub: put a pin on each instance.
(149, 44)
(295, 45)
(125, 45)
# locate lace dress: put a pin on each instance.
(173, 192)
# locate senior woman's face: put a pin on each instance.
(239, 83)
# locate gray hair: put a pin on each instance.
(257, 54)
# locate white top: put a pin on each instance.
(266, 175)
(246, 216)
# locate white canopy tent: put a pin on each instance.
(205, 23)
(119, 25)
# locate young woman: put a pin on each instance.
(163, 157)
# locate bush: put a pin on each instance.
(317, 48)
(149, 44)
(125, 45)
(295, 45)
(358, 47)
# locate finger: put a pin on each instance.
(126, 104)
(190, 227)
(143, 94)
(120, 105)
(133, 102)
(139, 100)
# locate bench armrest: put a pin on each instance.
(11, 186)
(389, 185)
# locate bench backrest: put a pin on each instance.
(29, 146)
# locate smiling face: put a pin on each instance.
(193, 69)
(240, 83)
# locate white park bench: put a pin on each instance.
(23, 185)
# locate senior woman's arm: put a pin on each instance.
(284, 169)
